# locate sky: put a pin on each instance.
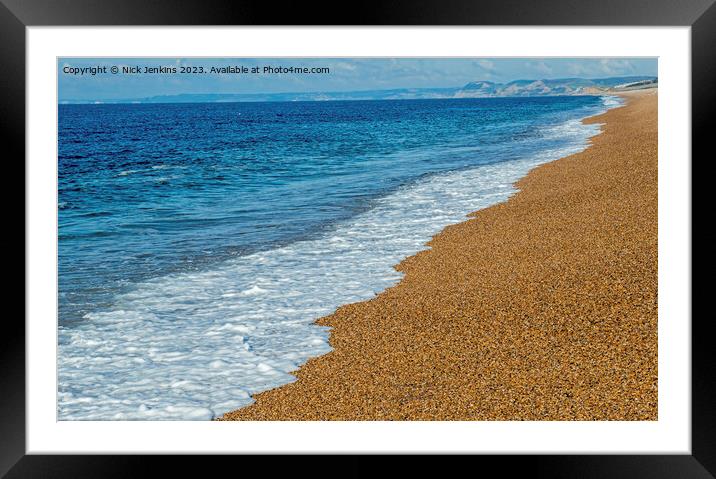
(345, 74)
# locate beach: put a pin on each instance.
(221, 289)
(543, 307)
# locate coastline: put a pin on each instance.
(542, 307)
(253, 315)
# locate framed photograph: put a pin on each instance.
(439, 229)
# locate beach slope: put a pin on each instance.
(540, 308)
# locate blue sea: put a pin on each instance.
(197, 243)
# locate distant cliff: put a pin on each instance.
(562, 86)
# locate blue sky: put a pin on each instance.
(345, 74)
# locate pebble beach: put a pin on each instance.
(543, 307)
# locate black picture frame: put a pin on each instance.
(700, 15)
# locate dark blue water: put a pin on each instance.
(147, 190)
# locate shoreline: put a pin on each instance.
(539, 307)
(253, 315)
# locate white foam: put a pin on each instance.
(193, 346)
(611, 101)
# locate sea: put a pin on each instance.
(198, 243)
